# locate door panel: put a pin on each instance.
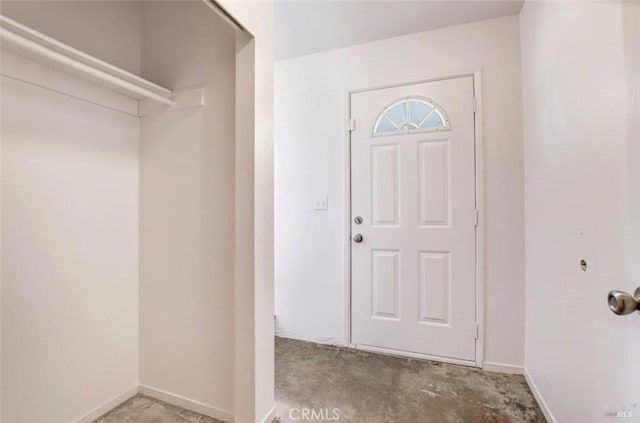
(434, 183)
(385, 284)
(434, 288)
(384, 183)
(413, 274)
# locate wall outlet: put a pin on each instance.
(321, 203)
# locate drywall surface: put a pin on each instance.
(69, 255)
(577, 162)
(106, 29)
(69, 229)
(310, 147)
(631, 27)
(187, 209)
(254, 366)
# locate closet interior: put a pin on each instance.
(117, 178)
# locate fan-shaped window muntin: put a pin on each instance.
(411, 114)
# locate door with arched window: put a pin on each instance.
(413, 205)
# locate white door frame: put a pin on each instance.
(479, 193)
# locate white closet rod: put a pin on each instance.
(29, 46)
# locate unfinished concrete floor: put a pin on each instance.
(366, 388)
(143, 409)
(372, 388)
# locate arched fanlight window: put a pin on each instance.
(411, 114)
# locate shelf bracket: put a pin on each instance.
(188, 98)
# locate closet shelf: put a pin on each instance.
(34, 45)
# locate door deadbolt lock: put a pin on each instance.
(357, 238)
(358, 220)
(622, 303)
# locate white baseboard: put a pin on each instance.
(109, 405)
(186, 403)
(326, 340)
(270, 416)
(502, 368)
(538, 396)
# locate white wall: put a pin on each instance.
(631, 22)
(69, 254)
(577, 190)
(254, 365)
(187, 209)
(310, 154)
(83, 25)
(69, 237)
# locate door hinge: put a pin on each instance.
(477, 217)
(477, 331)
(475, 104)
(352, 124)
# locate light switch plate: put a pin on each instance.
(321, 203)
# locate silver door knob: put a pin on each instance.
(622, 303)
(357, 238)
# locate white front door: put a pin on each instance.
(413, 226)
